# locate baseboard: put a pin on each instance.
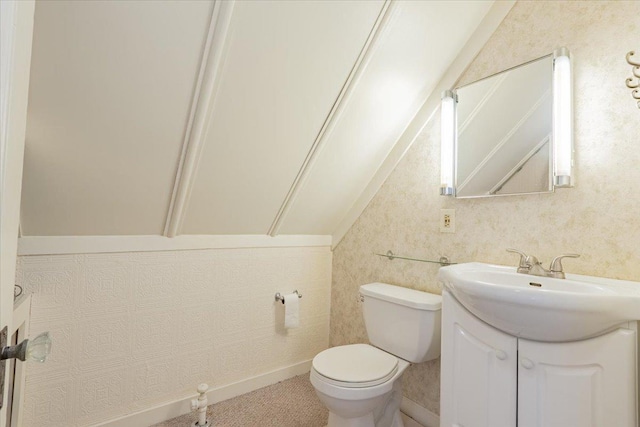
(420, 414)
(409, 422)
(182, 406)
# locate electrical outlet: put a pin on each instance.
(447, 220)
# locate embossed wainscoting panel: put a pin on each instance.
(135, 330)
(598, 218)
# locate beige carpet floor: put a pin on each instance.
(290, 403)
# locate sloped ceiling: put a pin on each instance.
(248, 117)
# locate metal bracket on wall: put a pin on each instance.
(443, 261)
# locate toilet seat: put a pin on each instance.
(355, 366)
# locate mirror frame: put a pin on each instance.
(562, 148)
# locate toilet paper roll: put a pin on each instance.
(291, 311)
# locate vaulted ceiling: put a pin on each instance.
(222, 117)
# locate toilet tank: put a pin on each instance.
(402, 321)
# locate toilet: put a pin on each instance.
(361, 384)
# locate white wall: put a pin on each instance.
(134, 330)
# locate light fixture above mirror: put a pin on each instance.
(510, 133)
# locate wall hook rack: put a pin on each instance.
(280, 297)
(634, 81)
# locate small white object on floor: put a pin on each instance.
(291, 311)
(200, 405)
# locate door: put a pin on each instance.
(478, 369)
(590, 383)
(16, 31)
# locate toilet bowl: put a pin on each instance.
(370, 390)
(361, 384)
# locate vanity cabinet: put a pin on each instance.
(492, 379)
(478, 371)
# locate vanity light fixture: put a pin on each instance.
(562, 119)
(448, 143)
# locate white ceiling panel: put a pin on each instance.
(286, 64)
(413, 53)
(111, 89)
(121, 103)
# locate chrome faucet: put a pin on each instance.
(526, 261)
(530, 265)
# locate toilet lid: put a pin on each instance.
(356, 364)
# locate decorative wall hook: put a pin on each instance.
(634, 81)
(631, 61)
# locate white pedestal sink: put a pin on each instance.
(542, 308)
(532, 351)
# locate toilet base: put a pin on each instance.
(384, 411)
(364, 421)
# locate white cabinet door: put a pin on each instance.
(589, 383)
(478, 368)
(16, 32)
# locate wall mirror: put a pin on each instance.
(508, 133)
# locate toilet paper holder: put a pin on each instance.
(281, 298)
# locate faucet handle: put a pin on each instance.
(526, 261)
(523, 257)
(556, 264)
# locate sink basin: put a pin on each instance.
(542, 308)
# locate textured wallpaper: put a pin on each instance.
(599, 218)
(134, 330)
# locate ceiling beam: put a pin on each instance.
(203, 99)
(386, 12)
